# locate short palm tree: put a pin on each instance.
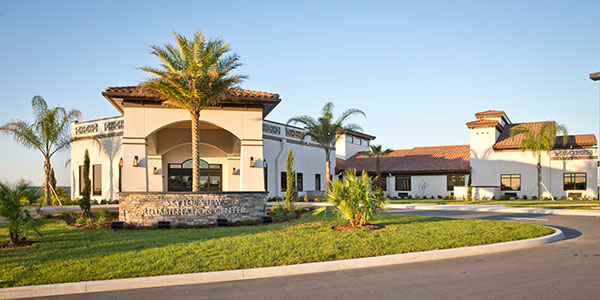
(193, 74)
(538, 142)
(326, 131)
(19, 219)
(377, 152)
(49, 133)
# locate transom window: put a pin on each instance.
(510, 182)
(575, 181)
(454, 180)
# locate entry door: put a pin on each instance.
(180, 177)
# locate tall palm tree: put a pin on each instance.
(538, 141)
(49, 133)
(326, 131)
(377, 152)
(193, 74)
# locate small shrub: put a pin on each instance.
(102, 214)
(279, 215)
(299, 209)
(505, 197)
(524, 197)
(153, 226)
(451, 197)
(291, 213)
(409, 196)
(130, 226)
(534, 198)
(113, 213)
(563, 197)
(440, 197)
(446, 198)
(89, 222)
(248, 222)
(181, 225)
(484, 198)
(101, 221)
(585, 198)
(103, 201)
(63, 215)
(80, 220)
(47, 215)
(200, 226)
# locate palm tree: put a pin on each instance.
(325, 131)
(50, 132)
(538, 141)
(193, 74)
(378, 153)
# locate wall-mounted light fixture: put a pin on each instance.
(233, 173)
(155, 171)
(136, 161)
(251, 161)
(121, 162)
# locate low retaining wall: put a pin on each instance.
(192, 208)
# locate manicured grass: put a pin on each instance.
(494, 202)
(589, 207)
(69, 254)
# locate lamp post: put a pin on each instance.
(596, 77)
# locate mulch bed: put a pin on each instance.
(348, 227)
(25, 243)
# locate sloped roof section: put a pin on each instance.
(489, 114)
(505, 142)
(138, 92)
(482, 124)
(418, 160)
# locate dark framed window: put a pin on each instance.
(383, 182)
(80, 180)
(266, 175)
(299, 182)
(283, 181)
(402, 183)
(574, 181)
(510, 182)
(454, 180)
(120, 178)
(349, 139)
(180, 176)
(317, 182)
(97, 179)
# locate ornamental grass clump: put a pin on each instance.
(20, 221)
(354, 198)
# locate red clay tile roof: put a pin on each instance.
(482, 124)
(505, 142)
(137, 92)
(489, 114)
(419, 160)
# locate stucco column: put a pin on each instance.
(251, 178)
(135, 177)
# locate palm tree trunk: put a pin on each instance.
(539, 176)
(195, 152)
(327, 171)
(47, 169)
(379, 174)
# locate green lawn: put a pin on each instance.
(558, 206)
(494, 202)
(69, 254)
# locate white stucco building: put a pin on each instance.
(497, 165)
(147, 148)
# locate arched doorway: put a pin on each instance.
(180, 177)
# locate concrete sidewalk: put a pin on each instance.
(475, 207)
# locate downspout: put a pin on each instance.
(278, 167)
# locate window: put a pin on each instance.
(97, 175)
(357, 141)
(367, 143)
(455, 180)
(120, 178)
(283, 181)
(510, 182)
(383, 182)
(299, 182)
(80, 180)
(575, 181)
(266, 176)
(402, 183)
(317, 182)
(349, 139)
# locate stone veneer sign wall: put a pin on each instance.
(193, 208)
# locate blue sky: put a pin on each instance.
(418, 69)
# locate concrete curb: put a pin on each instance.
(497, 209)
(256, 273)
(475, 207)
